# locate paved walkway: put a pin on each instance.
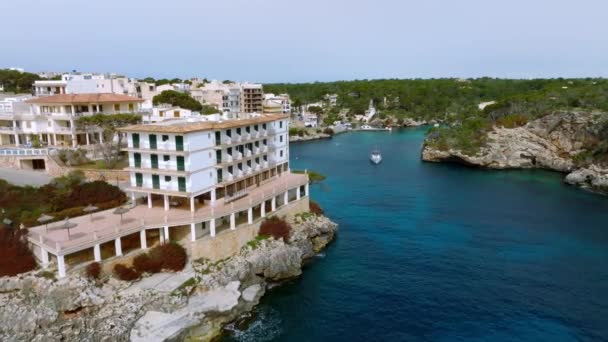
(163, 282)
(25, 177)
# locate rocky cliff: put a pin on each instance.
(36, 307)
(553, 142)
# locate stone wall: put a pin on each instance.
(229, 242)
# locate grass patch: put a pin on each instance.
(255, 243)
(313, 176)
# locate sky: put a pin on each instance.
(308, 40)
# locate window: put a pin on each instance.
(264, 126)
(240, 166)
(166, 158)
(281, 138)
(280, 124)
(229, 132)
(131, 107)
(281, 153)
(238, 131)
(257, 160)
(116, 107)
(139, 179)
(255, 128)
(248, 129)
(165, 138)
(161, 113)
(264, 142)
(176, 113)
(167, 179)
(249, 163)
(230, 168)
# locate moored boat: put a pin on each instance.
(375, 157)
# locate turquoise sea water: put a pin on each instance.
(438, 252)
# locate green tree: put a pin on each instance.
(17, 82)
(206, 110)
(109, 124)
(176, 98)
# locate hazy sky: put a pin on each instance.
(308, 40)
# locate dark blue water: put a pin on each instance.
(437, 252)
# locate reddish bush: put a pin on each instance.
(275, 227)
(315, 208)
(125, 273)
(15, 256)
(93, 270)
(172, 256)
(143, 263)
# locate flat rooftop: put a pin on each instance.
(195, 124)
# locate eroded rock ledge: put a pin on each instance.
(551, 142)
(36, 307)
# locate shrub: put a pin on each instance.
(512, 121)
(275, 227)
(315, 208)
(328, 131)
(125, 273)
(172, 256)
(15, 256)
(143, 263)
(93, 270)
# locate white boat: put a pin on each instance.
(375, 157)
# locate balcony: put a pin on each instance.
(6, 129)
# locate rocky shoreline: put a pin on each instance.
(551, 142)
(36, 307)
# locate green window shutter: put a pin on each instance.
(137, 159)
(135, 138)
(179, 143)
(180, 164)
(155, 181)
(139, 179)
(152, 138)
(181, 183)
(154, 161)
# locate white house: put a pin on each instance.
(162, 113)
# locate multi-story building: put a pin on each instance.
(277, 103)
(166, 112)
(91, 83)
(200, 159)
(11, 106)
(51, 119)
(252, 98)
(231, 98)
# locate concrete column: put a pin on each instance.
(61, 266)
(213, 196)
(212, 227)
(161, 234)
(306, 190)
(118, 246)
(17, 139)
(250, 216)
(49, 141)
(100, 137)
(142, 239)
(74, 142)
(166, 228)
(263, 209)
(232, 221)
(45, 257)
(97, 252)
(54, 139)
(286, 197)
(166, 200)
(88, 141)
(273, 203)
(133, 198)
(192, 204)
(193, 231)
(149, 200)
(298, 193)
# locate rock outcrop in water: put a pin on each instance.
(36, 307)
(552, 142)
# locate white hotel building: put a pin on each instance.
(206, 160)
